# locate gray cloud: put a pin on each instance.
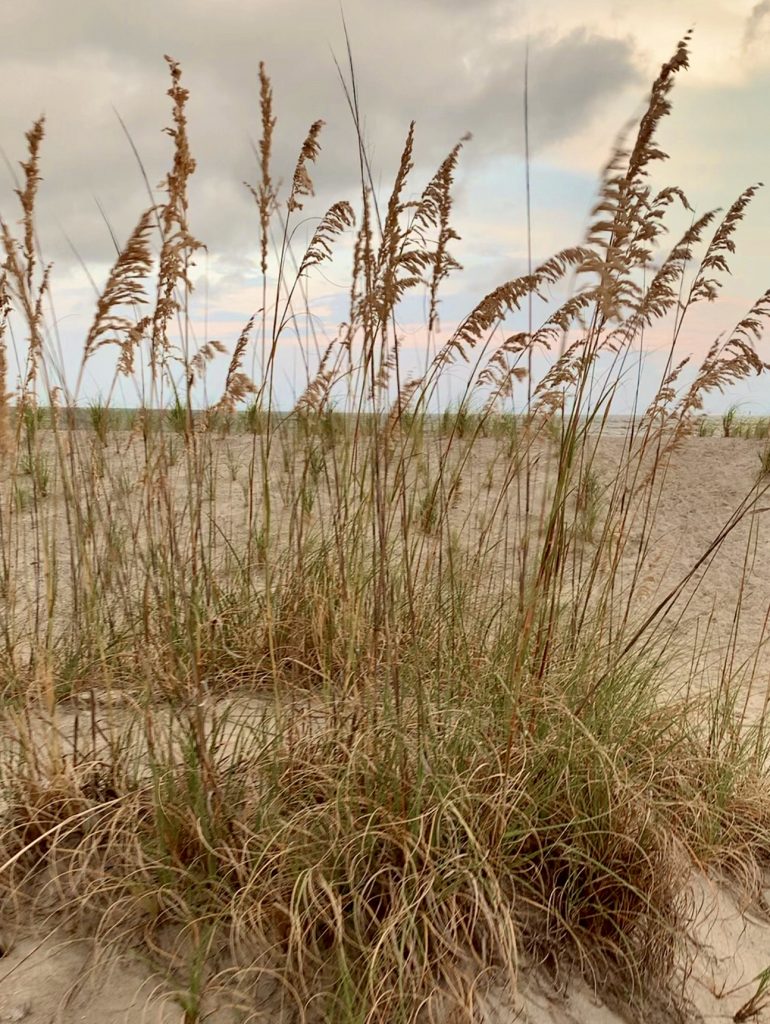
(452, 66)
(759, 13)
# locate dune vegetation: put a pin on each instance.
(357, 711)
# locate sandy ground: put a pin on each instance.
(734, 950)
(48, 977)
(52, 978)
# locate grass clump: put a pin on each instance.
(392, 731)
(100, 418)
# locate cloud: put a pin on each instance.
(759, 13)
(451, 66)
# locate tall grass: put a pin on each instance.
(342, 714)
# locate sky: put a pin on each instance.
(452, 66)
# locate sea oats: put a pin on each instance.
(359, 711)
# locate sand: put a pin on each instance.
(48, 975)
(52, 978)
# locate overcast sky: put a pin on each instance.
(451, 65)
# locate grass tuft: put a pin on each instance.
(362, 708)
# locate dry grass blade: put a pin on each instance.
(28, 194)
(266, 195)
(715, 258)
(237, 384)
(433, 211)
(302, 184)
(178, 243)
(337, 219)
(5, 412)
(124, 287)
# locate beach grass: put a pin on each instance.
(354, 711)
